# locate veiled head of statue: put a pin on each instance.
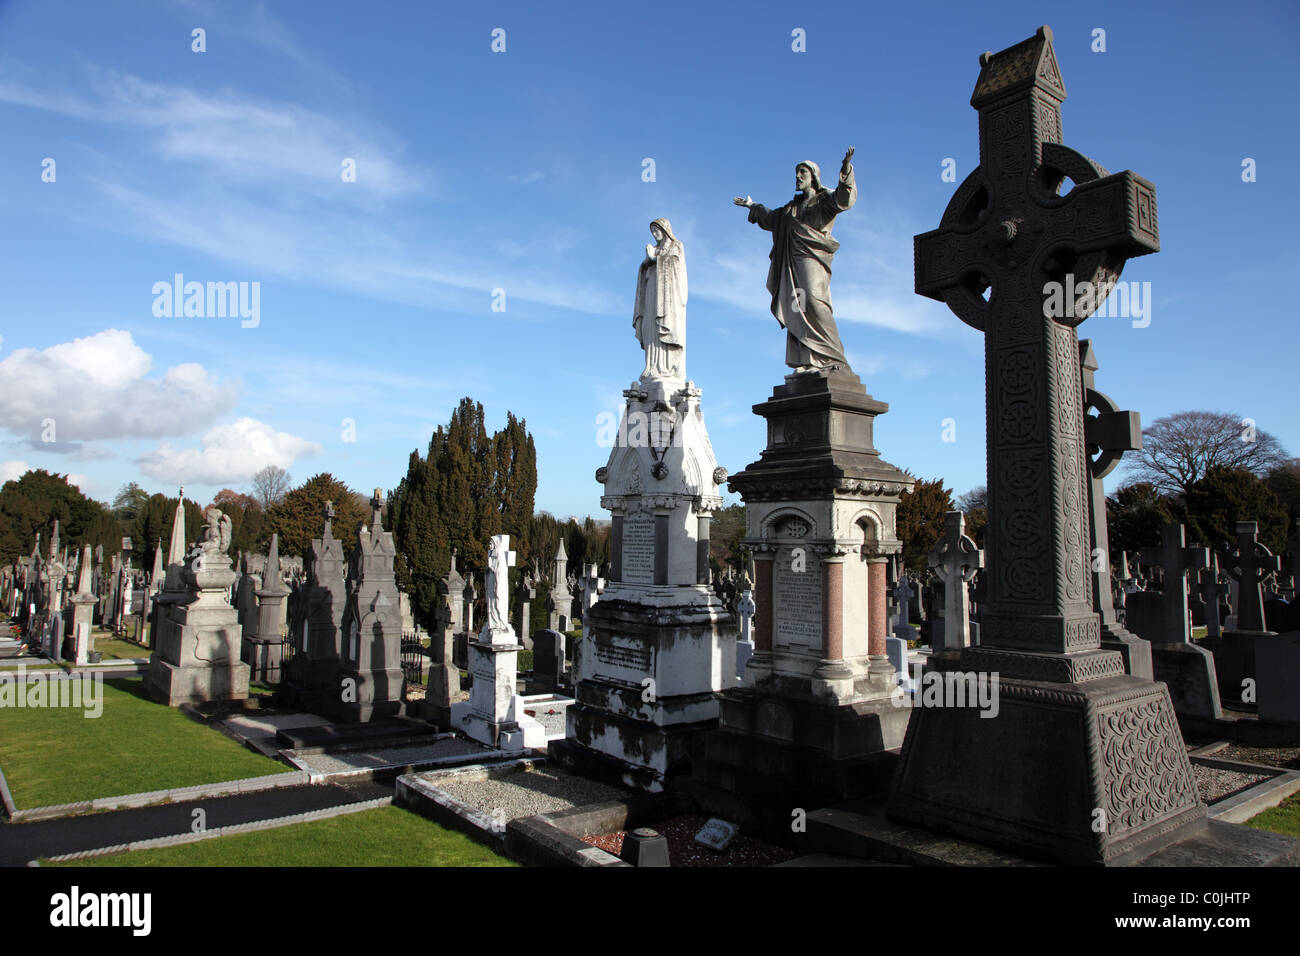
(665, 227)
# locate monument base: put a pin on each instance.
(628, 752)
(1188, 670)
(1120, 783)
(173, 684)
(366, 695)
(1135, 651)
(773, 754)
(264, 657)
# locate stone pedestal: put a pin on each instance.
(491, 715)
(658, 645)
(196, 654)
(814, 716)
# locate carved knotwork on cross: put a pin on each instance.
(1039, 536)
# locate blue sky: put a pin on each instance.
(523, 171)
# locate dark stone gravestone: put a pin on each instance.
(1185, 667)
(1247, 563)
(548, 658)
(1083, 740)
(1108, 434)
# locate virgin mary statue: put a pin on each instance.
(659, 316)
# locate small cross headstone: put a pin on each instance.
(1176, 560)
(904, 593)
(1249, 563)
(955, 559)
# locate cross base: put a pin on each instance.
(1102, 774)
(1135, 651)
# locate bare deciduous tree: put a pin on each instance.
(1179, 449)
(270, 485)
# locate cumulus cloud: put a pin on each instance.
(12, 470)
(228, 454)
(96, 388)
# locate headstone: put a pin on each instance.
(955, 559)
(815, 706)
(443, 684)
(1108, 435)
(1248, 564)
(524, 595)
(658, 644)
(494, 713)
(264, 649)
(83, 610)
(559, 604)
(1187, 669)
(905, 594)
(371, 669)
(196, 649)
(1071, 724)
(312, 678)
(548, 659)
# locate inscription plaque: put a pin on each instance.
(639, 547)
(797, 599)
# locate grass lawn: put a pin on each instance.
(1283, 818)
(115, 649)
(386, 836)
(57, 755)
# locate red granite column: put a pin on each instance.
(763, 603)
(833, 609)
(876, 619)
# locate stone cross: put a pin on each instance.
(1176, 560)
(1293, 559)
(524, 594)
(1007, 231)
(1249, 562)
(955, 559)
(904, 594)
(1211, 593)
(592, 585)
(1108, 435)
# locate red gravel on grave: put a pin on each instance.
(684, 851)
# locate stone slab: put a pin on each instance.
(330, 736)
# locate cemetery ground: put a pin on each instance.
(383, 836)
(55, 755)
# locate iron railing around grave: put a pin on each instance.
(412, 659)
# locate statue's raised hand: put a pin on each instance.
(844, 166)
(743, 201)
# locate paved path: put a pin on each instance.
(20, 842)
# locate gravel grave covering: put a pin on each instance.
(388, 756)
(684, 851)
(1286, 757)
(524, 793)
(1215, 784)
